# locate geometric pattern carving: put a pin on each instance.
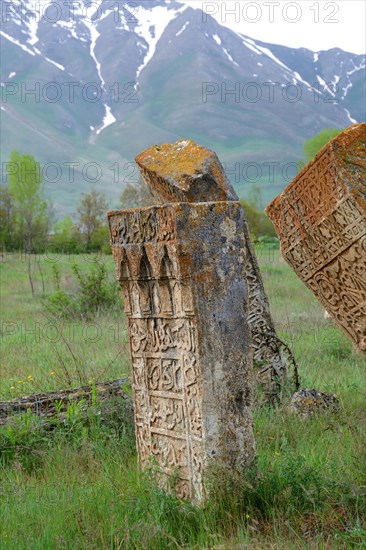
(154, 256)
(320, 219)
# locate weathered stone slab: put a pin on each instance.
(309, 402)
(320, 219)
(181, 269)
(185, 171)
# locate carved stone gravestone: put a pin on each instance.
(320, 219)
(181, 269)
(185, 171)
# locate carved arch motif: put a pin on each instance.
(145, 284)
(165, 281)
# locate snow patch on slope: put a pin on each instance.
(269, 54)
(183, 28)
(346, 88)
(58, 65)
(354, 121)
(325, 85)
(229, 57)
(32, 25)
(249, 43)
(70, 26)
(28, 13)
(94, 35)
(17, 43)
(151, 26)
(298, 77)
(33, 53)
(252, 48)
(90, 21)
(260, 50)
(217, 39)
(108, 119)
(355, 67)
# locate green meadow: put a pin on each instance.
(76, 484)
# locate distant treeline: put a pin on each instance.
(27, 219)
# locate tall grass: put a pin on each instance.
(76, 484)
(51, 350)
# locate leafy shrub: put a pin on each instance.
(96, 291)
(95, 294)
(259, 223)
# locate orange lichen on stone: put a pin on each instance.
(320, 219)
(184, 171)
(188, 173)
(338, 169)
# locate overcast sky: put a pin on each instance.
(316, 25)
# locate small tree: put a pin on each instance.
(100, 240)
(7, 215)
(92, 212)
(66, 237)
(313, 145)
(136, 195)
(259, 223)
(26, 190)
(254, 197)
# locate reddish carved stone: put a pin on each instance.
(320, 219)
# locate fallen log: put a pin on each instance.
(52, 404)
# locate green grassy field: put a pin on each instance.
(79, 486)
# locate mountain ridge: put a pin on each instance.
(128, 80)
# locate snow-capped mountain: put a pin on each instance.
(97, 82)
